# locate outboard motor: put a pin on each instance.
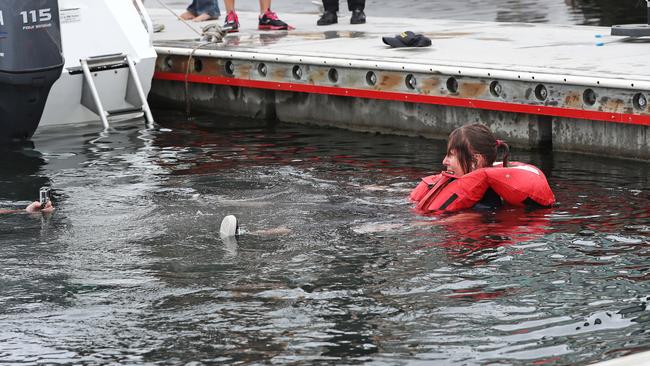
(31, 61)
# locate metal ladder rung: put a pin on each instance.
(117, 112)
(108, 60)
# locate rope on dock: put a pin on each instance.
(162, 3)
(210, 34)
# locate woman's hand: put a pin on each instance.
(36, 207)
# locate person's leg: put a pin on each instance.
(206, 10)
(331, 5)
(232, 21)
(268, 20)
(329, 16)
(191, 11)
(230, 5)
(356, 7)
(264, 6)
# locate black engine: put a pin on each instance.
(31, 61)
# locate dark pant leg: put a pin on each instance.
(356, 4)
(210, 7)
(192, 7)
(331, 5)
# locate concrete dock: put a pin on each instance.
(569, 88)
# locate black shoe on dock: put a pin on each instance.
(328, 18)
(358, 17)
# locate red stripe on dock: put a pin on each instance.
(412, 98)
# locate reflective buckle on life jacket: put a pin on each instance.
(441, 183)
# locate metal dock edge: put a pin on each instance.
(350, 81)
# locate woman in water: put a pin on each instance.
(472, 179)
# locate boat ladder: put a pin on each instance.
(134, 94)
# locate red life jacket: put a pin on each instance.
(519, 185)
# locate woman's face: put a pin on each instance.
(451, 163)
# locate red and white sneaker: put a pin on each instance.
(270, 21)
(232, 22)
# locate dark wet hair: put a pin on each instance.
(468, 140)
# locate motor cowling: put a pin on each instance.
(31, 61)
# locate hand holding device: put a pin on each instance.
(44, 196)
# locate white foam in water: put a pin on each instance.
(622, 239)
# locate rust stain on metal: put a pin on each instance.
(429, 86)
(244, 70)
(472, 90)
(212, 67)
(573, 100)
(615, 105)
(280, 74)
(390, 81)
(180, 65)
(318, 75)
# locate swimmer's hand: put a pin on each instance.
(36, 207)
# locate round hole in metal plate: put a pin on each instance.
(371, 78)
(496, 88)
(411, 81)
(640, 101)
(333, 75)
(541, 93)
(198, 65)
(589, 97)
(297, 72)
(261, 69)
(452, 85)
(229, 67)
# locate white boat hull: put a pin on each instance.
(91, 28)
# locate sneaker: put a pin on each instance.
(270, 21)
(358, 17)
(157, 27)
(232, 22)
(328, 18)
(229, 227)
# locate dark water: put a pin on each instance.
(582, 12)
(131, 270)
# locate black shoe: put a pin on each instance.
(329, 17)
(270, 21)
(358, 17)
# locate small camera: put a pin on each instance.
(44, 196)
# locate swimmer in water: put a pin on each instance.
(472, 147)
(472, 179)
(33, 207)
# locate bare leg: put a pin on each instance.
(230, 5)
(188, 15)
(203, 17)
(264, 6)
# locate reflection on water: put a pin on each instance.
(131, 269)
(584, 12)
